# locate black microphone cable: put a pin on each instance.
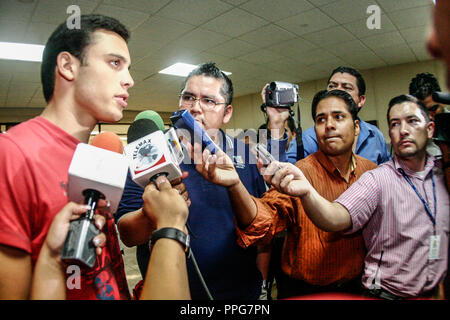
(197, 269)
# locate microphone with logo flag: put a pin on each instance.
(96, 172)
(150, 151)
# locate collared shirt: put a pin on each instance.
(310, 254)
(397, 229)
(229, 271)
(371, 144)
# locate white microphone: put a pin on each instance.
(97, 169)
(94, 174)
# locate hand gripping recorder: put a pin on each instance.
(94, 174)
(153, 155)
(182, 119)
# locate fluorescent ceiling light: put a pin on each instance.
(21, 51)
(182, 69)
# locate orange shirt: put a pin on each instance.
(310, 254)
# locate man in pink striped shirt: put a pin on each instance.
(402, 207)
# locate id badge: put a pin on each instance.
(435, 242)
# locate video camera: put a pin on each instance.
(281, 94)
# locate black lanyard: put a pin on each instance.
(425, 204)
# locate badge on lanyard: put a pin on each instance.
(435, 242)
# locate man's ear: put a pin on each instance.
(67, 65)
(357, 127)
(228, 111)
(430, 129)
(362, 100)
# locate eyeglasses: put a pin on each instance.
(188, 100)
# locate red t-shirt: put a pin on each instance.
(34, 161)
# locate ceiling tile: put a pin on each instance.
(55, 11)
(286, 66)
(414, 34)
(292, 48)
(130, 18)
(236, 3)
(233, 48)
(389, 5)
(261, 56)
(200, 39)
(147, 6)
(235, 23)
(363, 60)
(162, 30)
(346, 11)
(306, 22)
(320, 3)
(267, 36)
(409, 18)
(396, 54)
(27, 77)
(349, 47)
(360, 30)
(329, 37)
(139, 49)
(276, 10)
(12, 31)
(384, 40)
(195, 12)
(420, 50)
(314, 56)
(13, 10)
(39, 32)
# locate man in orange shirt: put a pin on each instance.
(313, 260)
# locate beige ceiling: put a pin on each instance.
(257, 40)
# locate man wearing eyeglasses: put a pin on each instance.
(229, 271)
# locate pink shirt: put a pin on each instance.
(394, 221)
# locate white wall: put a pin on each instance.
(382, 84)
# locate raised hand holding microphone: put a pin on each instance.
(49, 274)
(168, 209)
(94, 174)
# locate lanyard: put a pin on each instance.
(425, 204)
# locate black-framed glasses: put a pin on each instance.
(188, 100)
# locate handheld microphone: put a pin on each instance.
(151, 115)
(441, 97)
(94, 174)
(151, 152)
(182, 119)
(109, 141)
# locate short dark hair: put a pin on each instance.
(209, 69)
(74, 41)
(345, 96)
(408, 98)
(361, 84)
(423, 85)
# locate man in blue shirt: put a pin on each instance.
(370, 143)
(229, 271)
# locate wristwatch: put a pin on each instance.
(171, 233)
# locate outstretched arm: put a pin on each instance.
(289, 179)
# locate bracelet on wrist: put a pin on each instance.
(171, 233)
